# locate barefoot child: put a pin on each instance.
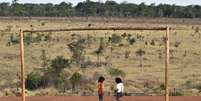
(119, 88)
(100, 88)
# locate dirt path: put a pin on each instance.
(93, 98)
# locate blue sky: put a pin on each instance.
(178, 2)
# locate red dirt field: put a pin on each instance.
(93, 98)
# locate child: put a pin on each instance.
(100, 88)
(119, 88)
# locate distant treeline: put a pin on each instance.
(97, 9)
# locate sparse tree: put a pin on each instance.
(197, 31)
(78, 49)
(127, 53)
(185, 53)
(75, 80)
(62, 81)
(89, 40)
(15, 1)
(99, 51)
(44, 58)
(177, 43)
(160, 54)
(140, 53)
(152, 43)
(108, 9)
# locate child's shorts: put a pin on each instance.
(100, 96)
(119, 95)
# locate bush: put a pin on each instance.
(8, 28)
(58, 79)
(146, 43)
(86, 64)
(127, 54)
(43, 23)
(29, 38)
(75, 80)
(116, 72)
(132, 41)
(14, 39)
(116, 38)
(177, 43)
(8, 92)
(140, 52)
(176, 92)
(124, 35)
(33, 81)
(199, 88)
(152, 42)
(60, 63)
(62, 81)
(162, 87)
(197, 29)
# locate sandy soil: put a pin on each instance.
(93, 98)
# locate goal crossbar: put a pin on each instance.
(100, 28)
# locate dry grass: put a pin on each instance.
(183, 68)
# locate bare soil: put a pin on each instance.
(93, 98)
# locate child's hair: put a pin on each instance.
(101, 79)
(118, 80)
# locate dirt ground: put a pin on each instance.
(93, 98)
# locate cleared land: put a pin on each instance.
(147, 80)
(90, 98)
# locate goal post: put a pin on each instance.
(167, 50)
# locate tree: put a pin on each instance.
(44, 58)
(112, 8)
(140, 53)
(64, 9)
(127, 53)
(100, 50)
(62, 81)
(78, 48)
(75, 80)
(108, 9)
(4, 9)
(15, 1)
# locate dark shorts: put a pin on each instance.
(119, 95)
(100, 96)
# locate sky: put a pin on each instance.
(178, 2)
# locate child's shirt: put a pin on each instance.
(100, 87)
(120, 88)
